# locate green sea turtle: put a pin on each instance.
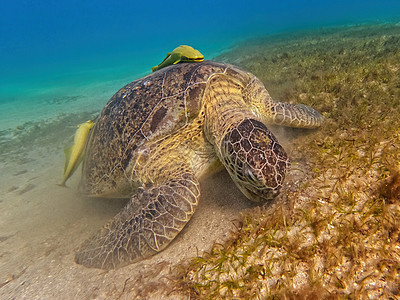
(182, 53)
(159, 134)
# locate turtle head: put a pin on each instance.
(255, 160)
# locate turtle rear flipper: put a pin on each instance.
(147, 224)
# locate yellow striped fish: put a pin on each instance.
(75, 153)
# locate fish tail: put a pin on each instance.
(62, 184)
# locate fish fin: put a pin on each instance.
(80, 159)
(161, 65)
(67, 152)
(177, 61)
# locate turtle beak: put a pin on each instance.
(260, 196)
(256, 194)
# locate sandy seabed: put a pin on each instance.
(351, 76)
(42, 224)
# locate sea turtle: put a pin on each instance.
(159, 134)
(183, 53)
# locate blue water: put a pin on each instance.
(64, 45)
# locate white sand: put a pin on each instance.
(42, 224)
(40, 229)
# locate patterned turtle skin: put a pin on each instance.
(159, 134)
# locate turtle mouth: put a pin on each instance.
(261, 196)
(257, 195)
(253, 187)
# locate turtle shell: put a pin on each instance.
(149, 108)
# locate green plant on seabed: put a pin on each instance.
(338, 235)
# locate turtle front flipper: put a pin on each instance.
(295, 115)
(278, 113)
(147, 224)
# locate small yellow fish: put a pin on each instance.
(182, 53)
(74, 154)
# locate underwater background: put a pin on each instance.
(333, 232)
(50, 47)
